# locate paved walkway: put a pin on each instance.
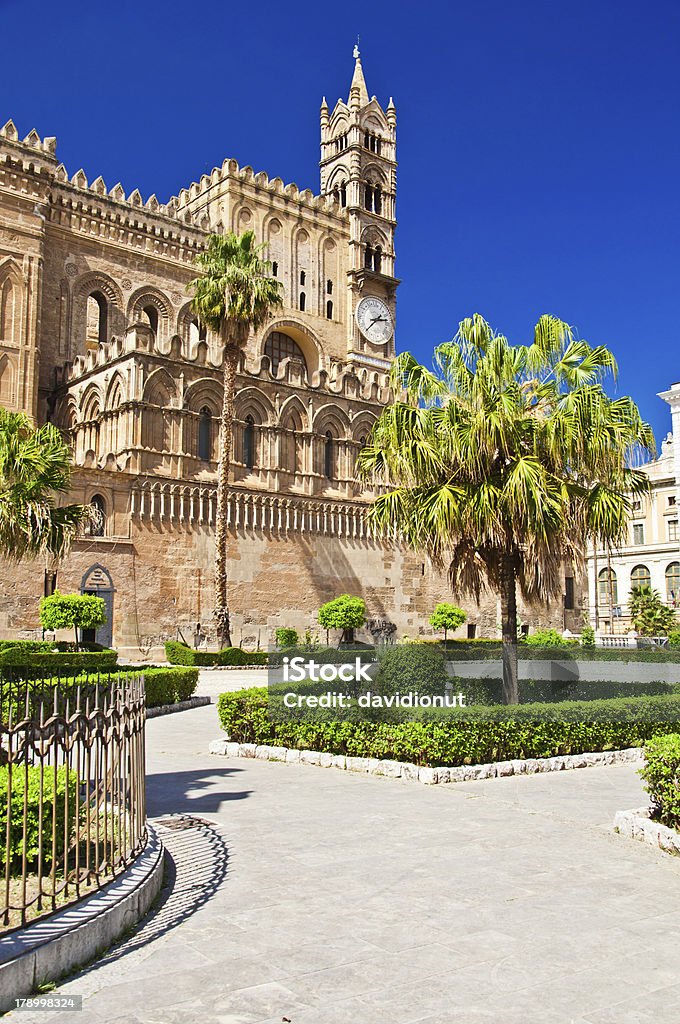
(327, 898)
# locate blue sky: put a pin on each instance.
(539, 150)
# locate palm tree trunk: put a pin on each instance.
(509, 628)
(221, 614)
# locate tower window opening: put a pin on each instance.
(302, 302)
(368, 258)
(97, 316)
(249, 443)
(329, 287)
(205, 434)
(343, 194)
(376, 259)
(275, 269)
(303, 277)
(329, 310)
(368, 197)
(377, 200)
(328, 455)
(150, 314)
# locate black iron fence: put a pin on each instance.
(72, 790)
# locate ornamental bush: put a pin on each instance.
(588, 637)
(548, 638)
(447, 617)
(346, 613)
(674, 638)
(53, 807)
(662, 777)
(411, 667)
(180, 654)
(72, 611)
(286, 637)
(20, 664)
(470, 736)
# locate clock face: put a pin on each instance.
(374, 320)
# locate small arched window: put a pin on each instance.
(377, 256)
(329, 310)
(97, 316)
(98, 524)
(640, 576)
(303, 301)
(275, 269)
(329, 287)
(328, 455)
(249, 443)
(368, 196)
(377, 200)
(673, 584)
(368, 257)
(343, 194)
(205, 434)
(608, 588)
(303, 277)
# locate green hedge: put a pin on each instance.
(488, 691)
(47, 663)
(180, 654)
(662, 776)
(27, 646)
(491, 650)
(65, 780)
(470, 736)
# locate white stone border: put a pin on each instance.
(52, 946)
(638, 824)
(181, 705)
(417, 773)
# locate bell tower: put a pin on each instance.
(359, 168)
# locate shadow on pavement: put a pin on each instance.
(195, 792)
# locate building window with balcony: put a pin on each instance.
(638, 533)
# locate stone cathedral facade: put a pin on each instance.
(97, 335)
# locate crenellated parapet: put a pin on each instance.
(200, 193)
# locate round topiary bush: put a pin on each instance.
(410, 668)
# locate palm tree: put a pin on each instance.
(233, 295)
(34, 470)
(504, 460)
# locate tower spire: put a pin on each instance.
(358, 80)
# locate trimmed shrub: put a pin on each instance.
(27, 646)
(27, 665)
(662, 777)
(411, 667)
(346, 613)
(52, 806)
(168, 685)
(72, 611)
(548, 638)
(286, 637)
(180, 654)
(447, 616)
(674, 638)
(469, 736)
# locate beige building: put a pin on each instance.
(652, 553)
(98, 336)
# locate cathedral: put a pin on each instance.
(97, 335)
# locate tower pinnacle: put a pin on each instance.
(358, 81)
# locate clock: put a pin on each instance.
(374, 320)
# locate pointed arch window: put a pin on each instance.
(7, 296)
(377, 259)
(368, 257)
(377, 200)
(329, 310)
(249, 443)
(329, 456)
(368, 196)
(97, 527)
(150, 314)
(302, 302)
(97, 316)
(205, 429)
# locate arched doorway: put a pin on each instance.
(97, 581)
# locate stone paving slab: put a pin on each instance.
(349, 899)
